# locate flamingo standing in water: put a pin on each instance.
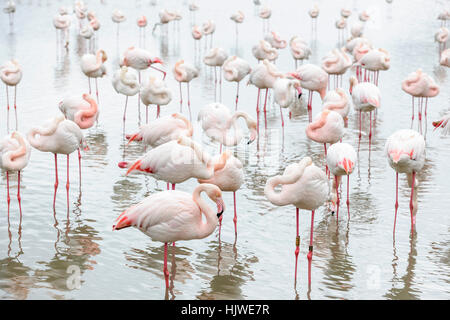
(336, 63)
(215, 58)
(9, 9)
(163, 130)
(197, 34)
(374, 61)
(263, 50)
(341, 159)
(441, 36)
(175, 161)
(11, 74)
(118, 17)
(229, 179)
(314, 13)
(15, 154)
(62, 22)
(265, 13)
(341, 25)
(234, 70)
(125, 82)
(327, 127)
(300, 49)
(237, 17)
(336, 100)
(87, 32)
(264, 77)
(286, 93)
(405, 150)
(80, 10)
(445, 58)
(220, 124)
(170, 216)
(312, 78)
(275, 40)
(306, 187)
(93, 67)
(185, 72)
(366, 98)
(58, 136)
(155, 91)
(208, 28)
(420, 85)
(142, 25)
(81, 110)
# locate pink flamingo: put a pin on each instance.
(374, 61)
(341, 25)
(155, 91)
(306, 187)
(445, 58)
(336, 63)
(314, 14)
(420, 85)
(275, 40)
(265, 13)
(286, 92)
(328, 127)
(229, 179)
(360, 48)
(125, 82)
(341, 160)
(263, 50)
(118, 17)
(237, 17)
(159, 216)
(216, 58)
(185, 72)
(142, 24)
(58, 136)
(93, 67)
(163, 130)
(337, 100)
(209, 27)
(405, 150)
(234, 70)
(14, 156)
(312, 78)
(11, 74)
(441, 36)
(300, 49)
(62, 22)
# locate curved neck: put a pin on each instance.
(123, 77)
(48, 131)
(21, 150)
(204, 228)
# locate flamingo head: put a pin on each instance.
(155, 60)
(293, 75)
(215, 195)
(347, 165)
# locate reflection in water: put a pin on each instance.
(407, 281)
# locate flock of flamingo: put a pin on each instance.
(174, 157)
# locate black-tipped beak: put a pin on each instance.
(299, 95)
(219, 214)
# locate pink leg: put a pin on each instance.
(297, 243)
(310, 106)
(18, 192)
(360, 120)
(337, 200)
(89, 80)
(265, 103)
(125, 110)
(370, 132)
(163, 72)
(79, 164)
(282, 120)
(310, 253)
(189, 102)
(168, 186)
(166, 270)
(396, 200)
(348, 196)
(173, 186)
(237, 96)
(326, 164)
(7, 109)
(67, 183)
(56, 179)
(7, 188)
(15, 107)
(181, 99)
(96, 90)
(412, 117)
(158, 110)
(146, 114)
(235, 214)
(139, 97)
(411, 204)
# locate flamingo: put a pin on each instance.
(364, 16)
(170, 216)
(62, 22)
(185, 72)
(405, 150)
(237, 17)
(93, 67)
(263, 50)
(441, 36)
(299, 49)
(58, 136)
(275, 40)
(336, 63)
(312, 78)
(162, 130)
(346, 12)
(229, 179)
(118, 17)
(444, 16)
(93, 22)
(341, 159)
(357, 30)
(264, 77)
(234, 70)
(327, 127)
(314, 14)
(215, 58)
(175, 161)
(420, 85)
(80, 10)
(142, 25)
(87, 32)
(374, 61)
(265, 13)
(193, 7)
(11, 74)
(15, 154)
(366, 98)
(220, 125)
(336, 100)
(125, 82)
(155, 91)
(445, 58)
(306, 187)
(286, 93)
(208, 29)
(443, 123)
(166, 16)
(359, 47)
(9, 9)
(341, 24)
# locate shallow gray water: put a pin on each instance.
(354, 259)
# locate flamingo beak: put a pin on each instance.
(133, 137)
(253, 134)
(121, 223)
(156, 60)
(299, 90)
(437, 124)
(348, 166)
(134, 166)
(220, 206)
(293, 75)
(396, 156)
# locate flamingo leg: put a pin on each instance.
(18, 192)
(181, 99)
(412, 117)
(396, 200)
(237, 96)
(7, 108)
(139, 96)
(370, 132)
(67, 183)
(56, 179)
(8, 199)
(157, 69)
(158, 110)
(189, 102)
(96, 90)
(146, 114)
(411, 204)
(89, 81)
(125, 111)
(215, 84)
(310, 253)
(348, 196)
(282, 120)
(265, 103)
(310, 106)
(338, 201)
(235, 214)
(15, 107)
(426, 106)
(220, 84)
(166, 270)
(173, 186)
(297, 243)
(326, 164)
